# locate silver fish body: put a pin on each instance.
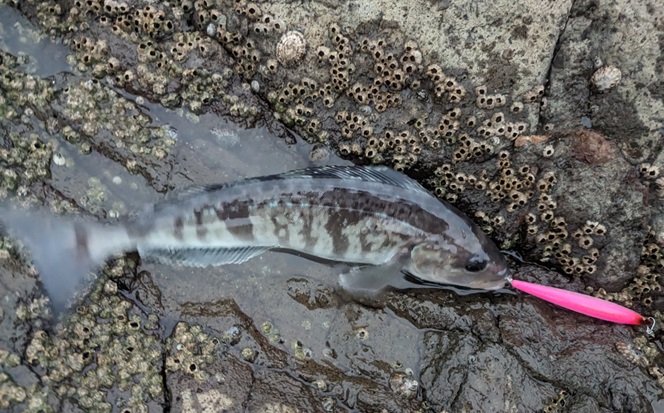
(361, 215)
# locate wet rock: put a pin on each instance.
(587, 192)
(585, 48)
(310, 296)
(227, 388)
(491, 377)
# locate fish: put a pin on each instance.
(376, 219)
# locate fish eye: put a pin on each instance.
(476, 264)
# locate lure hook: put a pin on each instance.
(650, 330)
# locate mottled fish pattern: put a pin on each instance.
(359, 215)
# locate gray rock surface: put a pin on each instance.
(152, 97)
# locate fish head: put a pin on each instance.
(475, 265)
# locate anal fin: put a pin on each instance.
(201, 257)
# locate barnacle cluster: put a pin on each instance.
(557, 404)
(191, 350)
(648, 171)
(34, 310)
(632, 353)
(25, 158)
(271, 332)
(106, 344)
(526, 192)
(658, 373)
(163, 51)
(90, 53)
(642, 353)
(646, 282)
(91, 116)
(10, 393)
(26, 161)
(93, 110)
(124, 20)
(300, 352)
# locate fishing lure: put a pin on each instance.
(585, 304)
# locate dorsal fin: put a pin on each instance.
(186, 193)
(194, 190)
(382, 174)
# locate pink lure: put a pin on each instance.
(581, 303)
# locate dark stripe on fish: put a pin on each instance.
(364, 204)
(179, 227)
(236, 216)
(201, 228)
(238, 209)
(308, 216)
(334, 226)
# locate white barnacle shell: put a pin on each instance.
(605, 78)
(291, 48)
(404, 385)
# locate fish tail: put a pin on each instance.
(64, 251)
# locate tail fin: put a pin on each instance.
(64, 251)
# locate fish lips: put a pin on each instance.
(494, 283)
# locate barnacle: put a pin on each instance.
(534, 95)
(632, 353)
(249, 354)
(649, 171)
(404, 385)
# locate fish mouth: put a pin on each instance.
(491, 284)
